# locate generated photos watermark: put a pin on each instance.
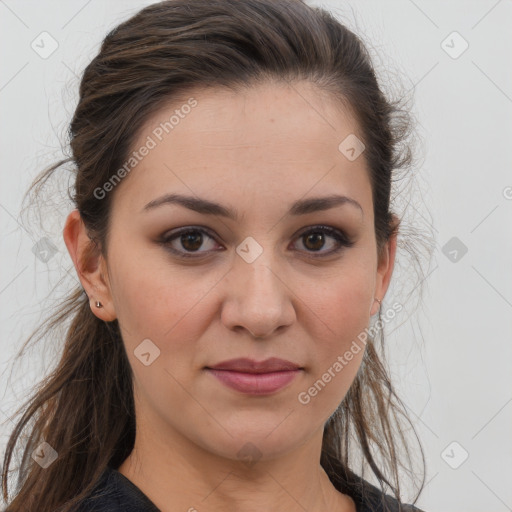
(304, 397)
(158, 133)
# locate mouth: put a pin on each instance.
(255, 383)
(255, 378)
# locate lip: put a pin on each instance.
(245, 365)
(253, 377)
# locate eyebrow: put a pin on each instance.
(204, 206)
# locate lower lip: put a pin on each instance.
(255, 383)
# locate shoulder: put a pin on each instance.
(366, 496)
(369, 498)
(115, 493)
(373, 499)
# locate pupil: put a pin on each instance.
(318, 237)
(186, 238)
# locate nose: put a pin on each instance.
(257, 299)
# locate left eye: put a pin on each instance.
(191, 240)
(316, 236)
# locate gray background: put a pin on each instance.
(451, 354)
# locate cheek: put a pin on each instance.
(153, 303)
(340, 313)
(141, 292)
(165, 304)
(342, 306)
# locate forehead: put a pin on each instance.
(278, 136)
(255, 115)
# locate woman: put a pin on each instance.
(234, 238)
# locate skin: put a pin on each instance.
(256, 150)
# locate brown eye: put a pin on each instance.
(187, 242)
(192, 240)
(315, 239)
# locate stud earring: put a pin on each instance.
(98, 304)
(379, 301)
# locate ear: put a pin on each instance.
(90, 266)
(385, 266)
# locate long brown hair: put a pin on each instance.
(84, 409)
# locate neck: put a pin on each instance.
(178, 475)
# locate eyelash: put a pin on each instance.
(339, 236)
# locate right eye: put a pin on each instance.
(189, 238)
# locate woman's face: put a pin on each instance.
(264, 283)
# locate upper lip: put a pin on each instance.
(245, 365)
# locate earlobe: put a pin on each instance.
(374, 308)
(89, 263)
